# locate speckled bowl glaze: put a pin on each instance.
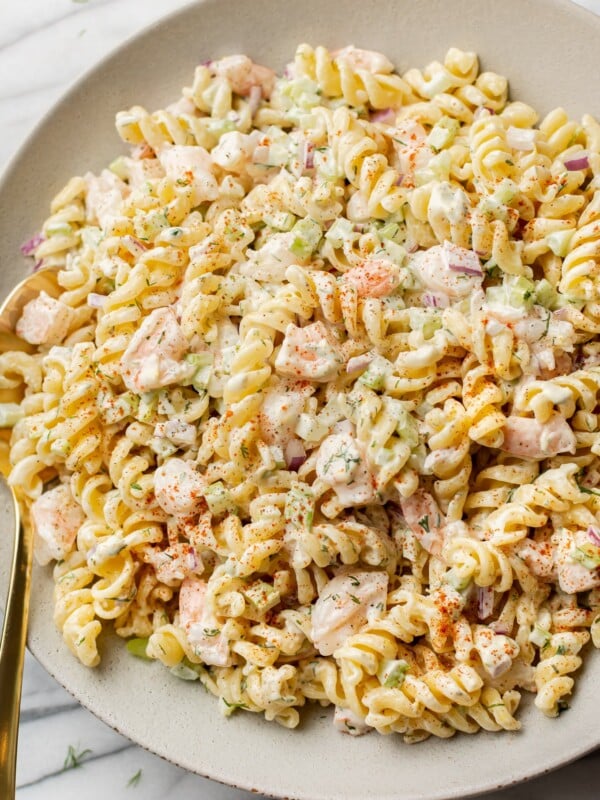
(548, 50)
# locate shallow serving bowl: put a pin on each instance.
(548, 50)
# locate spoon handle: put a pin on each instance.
(12, 653)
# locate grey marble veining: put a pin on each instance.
(44, 46)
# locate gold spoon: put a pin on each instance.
(14, 630)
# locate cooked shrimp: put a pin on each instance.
(190, 164)
(104, 197)
(44, 320)
(424, 518)
(528, 438)
(243, 74)
(154, 356)
(179, 488)
(341, 465)
(202, 627)
(310, 353)
(573, 576)
(432, 269)
(346, 721)
(282, 405)
(345, 604)
(376, 277)
(364, 59)
(56, 518)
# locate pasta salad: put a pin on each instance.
(314, 416)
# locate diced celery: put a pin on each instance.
(10, 414)
(341, 231)
(185, 670)
(58, 229)
(426, 320)
(162, 447)
(119, 167)
(545, 294)
(147, 407)
(443, 132)
(457, 581)
(300, 507)
(307, 235)
(309, 428)
(438, 169)
(539, 636)
(505, 191)
(521, 291)
(137, 648)
(392, 672)
(376, 373)
(203, 362)
(219, 499)
(560, 242)
(280, 220)
(389, 231)
(278, 456)
(303, 92)
(407, 427)
(261, 596)
(220, 126)
(395, 252)
(588, 555)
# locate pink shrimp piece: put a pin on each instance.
(341, 464)
(179, 488)
(539, 557)
(364, 59)
(424, 518)
(45, 320)
(346, 721)
(345, 604)
(310, 353)
(573, 576)
(202, 628)
(192, 165)
(528, 438)
(281, 407)
(374, 278)
(243, 74)
(56, 518)
(104, 197)
(154, 357)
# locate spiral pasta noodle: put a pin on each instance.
(313, 413)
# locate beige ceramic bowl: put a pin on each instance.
(548, 49)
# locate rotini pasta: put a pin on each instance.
(313, 415)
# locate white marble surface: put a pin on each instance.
(44, 46)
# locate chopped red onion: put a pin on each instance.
(308, 154)
(359, 363)
(436, 300)
(485, 601)
(95, 300)
(359, 227)
(520, 138)
(387, 116)
(254, 98)
(578, 161)
(295, 454)
(399, 180)
(38, 265)
(593, 535)
(459, 259)
(30, 246)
